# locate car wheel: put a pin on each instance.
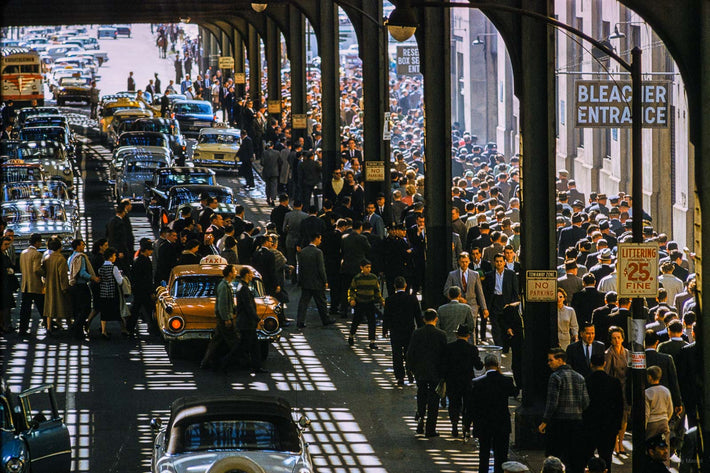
(264, 349)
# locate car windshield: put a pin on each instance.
(21, 173)
(169, 180)
(218, 138)
(231, 434)
(202, 108)
(74, 82)
(144, 166)
(44, 120)
(42, 134)
(184, 195)
(32, 150)
(35, 190)
(159, 126)
(35, 211)
(142, 140)
(37, 111)
(205, 286)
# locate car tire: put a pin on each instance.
(264, 349)
(174, 349)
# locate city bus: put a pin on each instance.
(21, 76)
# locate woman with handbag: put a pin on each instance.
(108, 302)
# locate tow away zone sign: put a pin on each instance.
(541, 286)
(637, 270)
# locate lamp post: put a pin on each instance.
(402, 21)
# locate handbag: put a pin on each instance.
(440, 389)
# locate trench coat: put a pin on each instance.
(57, 304)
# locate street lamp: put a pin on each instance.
(479, 41)
(402, 23)
(259, 7)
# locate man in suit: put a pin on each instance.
(588, 299)
(384, 210)
(488, 405)
(570, 282)
(270, 172)
(500, 289)
(569, 236)
(425, 357)
(309, 174)
(331, 247)
(312, 279)
(378, 225)
(469, 282)
(579, 353)
(602, 418)
(600, 317)
(402, 312)
(351, 152)
(292, 230)
(495, 247)
(478, 264)
(453, 314)
(32, 286)
(690, 379)
(675, 342)
(461, 358)
(669, 376)
(354, 246)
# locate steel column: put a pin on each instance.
(238, 54)
(330, 88)
(273, 64)
(297, 57)
(254, 67)
(435, 47)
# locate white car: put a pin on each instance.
(247, 433)
(217, 147)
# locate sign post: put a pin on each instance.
(298, 121)
(407, 61)
(606, 103)
(541, 286)
(375, 171)
(637, 270)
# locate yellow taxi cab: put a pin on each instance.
(185, 305)
(110, 108)
(218, 147)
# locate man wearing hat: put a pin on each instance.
(488, 408)
(143, 287)
(607, 233)
(572, 192)
(270, 172)
(461, 359)
(604, 267)
(656, 453)
(562, 176)
(571, 235)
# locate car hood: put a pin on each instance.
(216, 148)
(195, 116)
(273, 462)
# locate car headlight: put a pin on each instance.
(271, 324)
(14, 465)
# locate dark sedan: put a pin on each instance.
(167, 126)
(193, 115)
(157, 189)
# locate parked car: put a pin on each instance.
(50, 189)
(193, 116)
(238, 432)
(44, 216)
(218, 147)
(53, 158)
(25, 112)
(179, 196)
(126, 153)
(33, 437)
(149, 140)
(136, 168)
(123, 30)
(48, 133)
(157, 188)
(170, 128)
(111, 105)
(51, 120)
(107, 32)
(76, 88)
(185, 305)
(16, 170)
(121, 123)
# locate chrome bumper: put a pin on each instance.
(207, 334)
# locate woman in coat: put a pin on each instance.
(108, 302)
(57, 304)
(97, 260)
(567, 326)
(8, 285)
(617, 366)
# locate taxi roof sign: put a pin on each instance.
(213, 259)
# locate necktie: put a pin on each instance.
(589, 354)
(463, 282)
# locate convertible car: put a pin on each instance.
(245, 433)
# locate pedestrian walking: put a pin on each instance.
(567, 326)
(131, 83)
(246, 156)
(425, 357)
(178, 68)
(94, 100)
(32, 286)
(225, 311)
(602, 418)
(500, 289)
(108, 303)
(142, 287)
(363, 294)
(659, 405)
(247, 321)
(57, 306)
(8, 285)
(469, 282)
(401, 315)
(454, 314)
(488, 408)
(461, 359)
(156, 84)
(312, 279)
(81, 274)
(617, 366)
(270, 172)
(567, 398)
(579, 353)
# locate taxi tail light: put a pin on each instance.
(176, 324)
(271, 324)
(165, 219)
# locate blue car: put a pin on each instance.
(33, 436)
(193, 115)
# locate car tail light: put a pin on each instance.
(172, 115)
(176, 324)
(165, 219)
(271, 324)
